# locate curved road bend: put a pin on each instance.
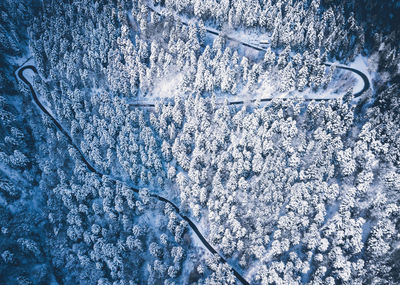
(92, 169)
(364, 77)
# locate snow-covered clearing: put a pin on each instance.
(166, 87)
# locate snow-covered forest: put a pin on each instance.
(199, 142)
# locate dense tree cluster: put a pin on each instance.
(288, 191)
(270, 183)
(23, 258)
(284, 185)
(303, 25)
(86, 85)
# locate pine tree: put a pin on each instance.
(302, 79)
(287, 78)
(269, 59)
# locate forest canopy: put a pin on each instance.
(199, 142)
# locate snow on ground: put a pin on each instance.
(268, 90)
(167, 87)
(164, 88)
(162, 11)
(202, 226)
(362, 64)
(251, 37)
(22, 61)
(29, 75)
(19, 60)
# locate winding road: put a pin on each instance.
(35, 98)
(20, 74)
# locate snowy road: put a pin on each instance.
(20, 75)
